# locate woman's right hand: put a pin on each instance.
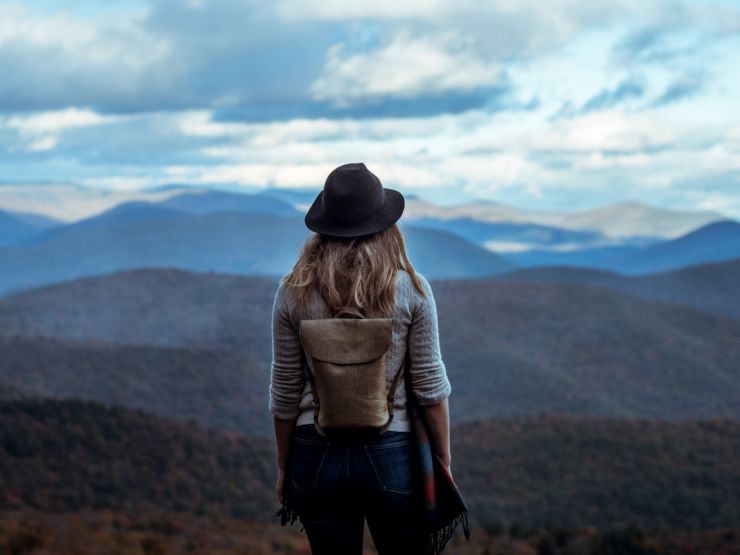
(448, 463)
(437, 418)
(446, 460)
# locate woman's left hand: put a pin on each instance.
(279, 485)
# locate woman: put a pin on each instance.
(357, 259)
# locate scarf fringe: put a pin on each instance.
(443, 535)
(440, 538)
(288, 515)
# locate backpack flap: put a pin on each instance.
(346, 341)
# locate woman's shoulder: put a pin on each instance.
(409, 289)
(281, 298)
(285, 294)
(404, 273)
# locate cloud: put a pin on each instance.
(57, 61)
(41, 130)
(504, 155)
(607, 98)
(407, 67)
(263, 60)
(683, 87)
(56, 121)
(563, 103)
(43, 144)
(168, 56)
(362, 9)
(638, 43)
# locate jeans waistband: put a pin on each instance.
(350, 437)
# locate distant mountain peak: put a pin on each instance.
(209, 201)
(136, 207)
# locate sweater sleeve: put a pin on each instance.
(287, 378)
(428, 374)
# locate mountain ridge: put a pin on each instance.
(510, 348)
(710, 286)
(70, 202)
(146, 235)
(713, 242)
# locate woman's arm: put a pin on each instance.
(283, 435)
(287, 377)
(287, 380)
(438, 423)
(428, 373)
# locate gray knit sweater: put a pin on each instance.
(415, 318)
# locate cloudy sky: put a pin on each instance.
(557, 104)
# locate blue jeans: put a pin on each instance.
(338, 482)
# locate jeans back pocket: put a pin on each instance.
(393, 465)
(307, 459)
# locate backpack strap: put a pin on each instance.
(350, 310)
(392, 395)
(314, 394)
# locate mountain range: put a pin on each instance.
(497, 226)
(713, 242)
(262, 234)
(15, 227)
(142, 234)
(622, 220)
(198, 345)
(219, 388)
(710, 286)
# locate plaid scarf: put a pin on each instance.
(444, 507)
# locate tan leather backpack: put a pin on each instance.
(345, 362)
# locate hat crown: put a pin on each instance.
(353, 203)
(352, 195)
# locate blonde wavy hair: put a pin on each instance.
(355, 272)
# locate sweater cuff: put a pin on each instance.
(283, 412)
(435, 396)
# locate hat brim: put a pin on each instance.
(392, 210)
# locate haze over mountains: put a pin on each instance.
(713, 242)
(70, 202)
(716, 241)
(619, 220)
(136, 235)
(261, 233)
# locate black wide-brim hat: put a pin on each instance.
(353, 203)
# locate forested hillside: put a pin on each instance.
(555, 471)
